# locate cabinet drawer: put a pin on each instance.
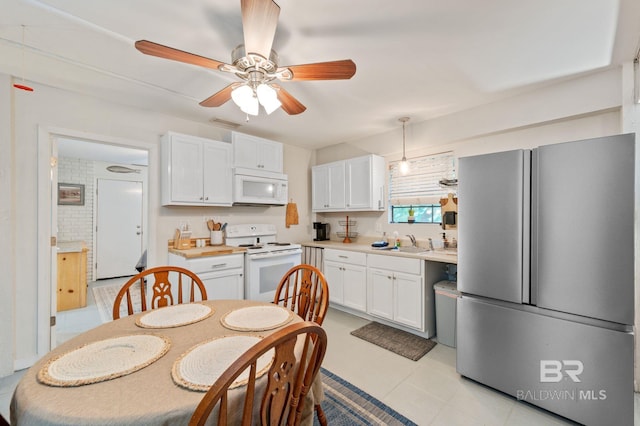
(345, 256)
(396, 263)
(215, 263)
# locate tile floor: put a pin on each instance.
(427, 391)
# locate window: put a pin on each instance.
(421, 188)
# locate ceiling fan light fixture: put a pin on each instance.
(268, 98)
(244, 97)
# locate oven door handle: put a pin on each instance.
(274, 255)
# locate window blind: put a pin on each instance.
(422, 184)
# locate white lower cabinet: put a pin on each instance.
(223, 276)
(396, 290)
(346, 274)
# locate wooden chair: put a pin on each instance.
(288, 380)
(305, 291)
(3, 421)
(162, 295)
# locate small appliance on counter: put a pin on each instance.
(322, 231)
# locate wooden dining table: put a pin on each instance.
(148, 396)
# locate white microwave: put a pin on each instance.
(252, 187)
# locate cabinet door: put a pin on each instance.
(270, 155)
(256, 153)
(380, 293)
(217, 173)
(224, 285)
(354, 287)
(334, 275)
(186, 170)
(358, 179)
(407, 300)
(319, 188)
(71, 281)
(337, 196)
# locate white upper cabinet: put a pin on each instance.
(195, 171)
(251, 152)
(328, 191)
(356, 184)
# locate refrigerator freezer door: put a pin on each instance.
(579, 371)
(583, 221)
(493, 196)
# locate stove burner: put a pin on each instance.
(279, 244)
(249, 246)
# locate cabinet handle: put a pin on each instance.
(138, 233)
(218, 265)
(342, 256)
(206, 198)
(389, 277)
(200, 198)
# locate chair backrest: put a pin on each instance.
(305, 291)
(288, 380)
(162, 276)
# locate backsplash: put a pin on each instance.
(371, 225)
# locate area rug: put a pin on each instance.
(105, 295)
(398, 341)
(346, 405)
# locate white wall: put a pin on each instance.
(7, 230)
(59, 111)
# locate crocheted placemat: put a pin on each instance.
(199, 367)
(103, 360)
(257, 318)
(174, 316)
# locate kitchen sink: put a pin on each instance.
(411, 249)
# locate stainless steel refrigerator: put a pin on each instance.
(546, 271)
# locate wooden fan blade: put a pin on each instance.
(334, 70)
(155, 49)
(290, 105)
(219, 98)
(259, 22)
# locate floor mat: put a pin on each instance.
(398, 341)
(347, 405)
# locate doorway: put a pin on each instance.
(115, 182)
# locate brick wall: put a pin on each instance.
(75, 223)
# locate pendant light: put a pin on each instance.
(404, 164)
(23, 86)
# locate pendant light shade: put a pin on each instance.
(250, 99)
(404, 164)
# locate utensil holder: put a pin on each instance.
(216, 238)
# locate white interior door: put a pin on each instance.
(118, 227)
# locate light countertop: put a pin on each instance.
(206, 251)
(446, 256)
(71, 246)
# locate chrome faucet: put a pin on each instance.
(413, 240)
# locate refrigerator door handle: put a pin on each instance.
(526, 227)
(533, 246)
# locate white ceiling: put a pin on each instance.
(416, 58)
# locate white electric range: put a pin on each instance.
(266, 259)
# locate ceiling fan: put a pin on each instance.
(256, 64)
